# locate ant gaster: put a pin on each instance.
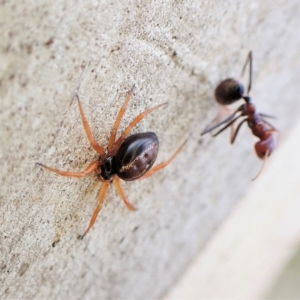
(231, 90)
(127, 158)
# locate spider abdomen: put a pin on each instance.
(136, 155)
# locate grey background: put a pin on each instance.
(175, 51)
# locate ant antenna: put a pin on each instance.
(263, 164)
(248, 60)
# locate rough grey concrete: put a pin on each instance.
(173, 51)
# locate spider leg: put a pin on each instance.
(118, 120)
(133, 123)
(121, 193)
(87, 130)
(90, 169)
(163, 164)
(101, 197)
(236, 131)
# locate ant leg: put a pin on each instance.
(226, 120)
(118, 120)
(269, 124)
(231, 132)
(87, 130)
(236, 131)
(90, 169)
(263, 164)
(133, 123)
(102, 193)
(163, 164)
(122, 194)
(222, 111)
(267, 116)
(248, 60)
(227, 125)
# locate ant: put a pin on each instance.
(127, 158)
(231, 90)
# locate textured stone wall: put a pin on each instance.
(173, 51)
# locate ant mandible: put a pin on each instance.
(231, 90)
(127, 158)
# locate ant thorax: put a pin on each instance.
(259, 129)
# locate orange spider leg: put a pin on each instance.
(140, 117)
(122, 194)
(117, 122)
(90, 169)
(87, 130)
(102, 193)
(163, 164)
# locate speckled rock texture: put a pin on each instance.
(174, 51)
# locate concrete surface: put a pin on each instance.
(173, 51)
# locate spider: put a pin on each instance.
(127, 158)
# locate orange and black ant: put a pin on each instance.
(127, 158)
(231, 90)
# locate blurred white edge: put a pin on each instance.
(251, 248)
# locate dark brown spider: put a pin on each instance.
(127, 158)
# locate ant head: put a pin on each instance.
(228, 91)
